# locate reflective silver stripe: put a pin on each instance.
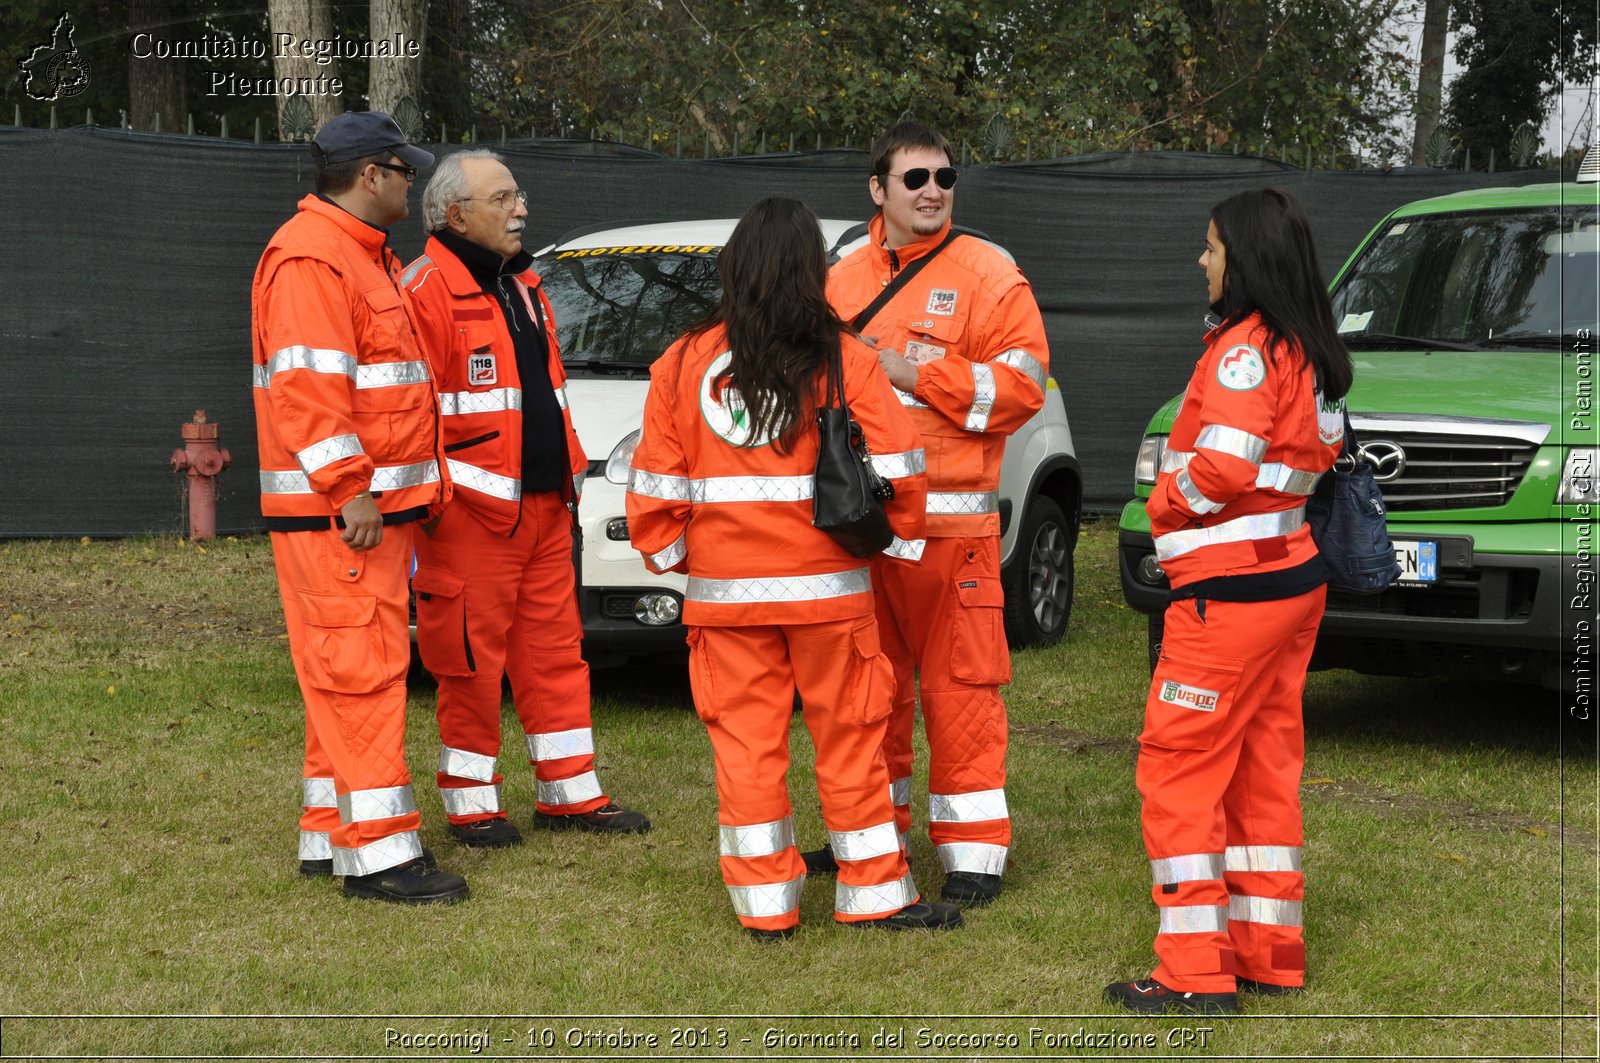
(470, 800)
(658, 485)
(1263, 858)
(394, 477)
(415, 268)
(975, 807)
(905, 842)
(983, 393)
(972, 856)
(672, 554)
(883, 899)
(779, 588)
(1194, 919)
(318, 360)
(554, 745)
(388, 852)
(462, 403)
(1193, 495)
(577, 482)
(1017, 358)
(390, 374)
(949, 503)
(715, 489)
(318, 793)
(905, 463)
(585, 787)
(1176, 459)
(1238, 530)
(361, 806)
(907, 399)
(260, 376)
(314, 845)
(321, 454)
(483, 481)
(1289, 481)
(900, 791)
(758, 839)
(1235, 441)
(906, 549)
(1197, 867)
(878, 840)
(561, 396)
(465, 764)
(285, 483)
(759, 902)
(1267, 910)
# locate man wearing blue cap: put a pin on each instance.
(348, 428)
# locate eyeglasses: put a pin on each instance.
(915, 178)
(408, 172)
(502, 200)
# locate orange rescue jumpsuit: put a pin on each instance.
(774, 605)
(1223, 744)
(970, 320)
(496, 589)
(344, 403)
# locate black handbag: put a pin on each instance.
(1347, 518)
(848, 494)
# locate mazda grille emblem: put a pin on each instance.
(1387, 459)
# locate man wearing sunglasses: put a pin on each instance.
(495, 584)
(963, 344)
(348, 430)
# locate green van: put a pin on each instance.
(1472, 319)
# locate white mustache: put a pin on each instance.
(516, 226)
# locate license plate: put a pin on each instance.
(1419, 560)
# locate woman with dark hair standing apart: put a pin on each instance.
(1223, 744)
(721, 488)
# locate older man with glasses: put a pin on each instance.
(495, 584)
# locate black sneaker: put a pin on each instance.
(970, 889)
(324, 868)
(1269, 989)
(1149, 997)
(918, 916)
(771, 936)
(496, 833)
(607, 819)
(413, 883)
(820, 861)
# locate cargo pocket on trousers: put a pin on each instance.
(1189, 701)
(442, 638)
(871, 688)
(343, 646)
(702, 677)
(978, 651)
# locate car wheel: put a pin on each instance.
(1157, 630)
(1038, 582)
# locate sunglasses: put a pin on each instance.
(915, 178)
(408, 172)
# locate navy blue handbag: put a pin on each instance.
(1347, 518)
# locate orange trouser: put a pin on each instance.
(744, 679)
(1219, 770)
(346, 615)
(944, 621)
(491, 605)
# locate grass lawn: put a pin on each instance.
(150, 905)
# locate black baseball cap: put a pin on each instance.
(357, 134)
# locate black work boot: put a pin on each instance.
(820, 861)
(1149, 997)
(496, 833)
(1268, 989)
(411, 883)
(918, 916)
(970, 889)
(607, 819)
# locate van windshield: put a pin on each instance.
(619, 312)
(1519, 278)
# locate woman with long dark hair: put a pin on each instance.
(1223, 743)
(721, 488)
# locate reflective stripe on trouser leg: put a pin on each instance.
(320, 815)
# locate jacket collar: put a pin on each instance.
(900, 256)
(366, 234)
(471, 270)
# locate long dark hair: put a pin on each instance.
(775, 309)
(1271, 269)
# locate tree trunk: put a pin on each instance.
(400, 24)
(306, 20)
(1430, 77)
(156, 86)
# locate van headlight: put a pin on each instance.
(1151, 450)
(1580, 477)
(621, 458)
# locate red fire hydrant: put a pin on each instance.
(204, 460)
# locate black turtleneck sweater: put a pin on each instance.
(544, 436)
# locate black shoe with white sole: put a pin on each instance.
(412, 883)
(1149, 997)
(496, 833)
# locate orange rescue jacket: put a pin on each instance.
(737, 517)
(343, 398)
(970, 320)
(482, 418)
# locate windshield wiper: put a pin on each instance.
(1416, 343)
(1535, 341)
(605, 365)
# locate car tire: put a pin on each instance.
(1157, 631)
(1039, 581)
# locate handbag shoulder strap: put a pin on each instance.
(835, 383)
(861, 320)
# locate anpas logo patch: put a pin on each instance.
(1330, 420)
(942, 301)
(481, 370)
(726, 413)
(1241, 369)
(1198, 698)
